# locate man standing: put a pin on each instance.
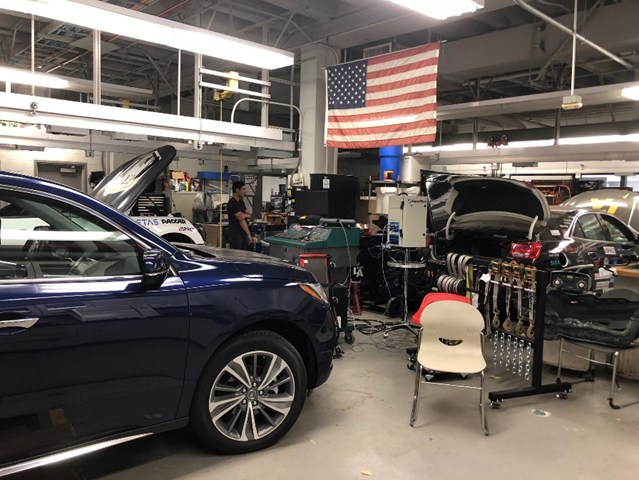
(239, 233)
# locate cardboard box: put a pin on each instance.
(271, 218)
(212, 231)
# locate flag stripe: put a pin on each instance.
(422, 96)
(404, 82)
(424, 125)
(384, 108)
(394, 70)
(402, 76)
(383, 143)
(378, 122)
(405, 61)
(368, 117)
(402, 91)
(384, 135)
(411, 52)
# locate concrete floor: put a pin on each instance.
(358, 423)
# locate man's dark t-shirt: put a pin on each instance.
(233, 207)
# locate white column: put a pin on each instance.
(316, 158)
(97, 67)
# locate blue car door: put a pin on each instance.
(85, 350)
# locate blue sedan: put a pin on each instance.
(109, 333)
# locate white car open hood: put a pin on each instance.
(122, 187)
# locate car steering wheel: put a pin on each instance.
(30, 250)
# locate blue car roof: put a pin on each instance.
(47, 186)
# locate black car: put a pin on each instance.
(510, 220)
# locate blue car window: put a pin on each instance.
(42, 238)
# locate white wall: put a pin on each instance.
(23, 161)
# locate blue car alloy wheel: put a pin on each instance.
(250, 394)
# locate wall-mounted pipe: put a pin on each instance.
(562, 27)
(299, 143)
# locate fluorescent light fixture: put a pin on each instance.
(25, 77)
(105, 17)
(599, 139)
(530, 143)
(442, 9)
(631, 92)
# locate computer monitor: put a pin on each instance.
(309, 202)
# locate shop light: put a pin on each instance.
(599, 139)
(530, 144)
(442, 9)
(25, 77)
(105, 17)
(631, 92)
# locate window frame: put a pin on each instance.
(614, 220)
(139, 241)
(576, 222)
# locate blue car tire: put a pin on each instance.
(250, 394)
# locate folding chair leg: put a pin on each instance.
(418, 381)
(482, 404)
(611, 400)
(561, 351)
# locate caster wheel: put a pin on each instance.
(563, 395)
(495, 405)
(349, 338)
(411, 366)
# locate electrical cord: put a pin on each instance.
(390, 295)
(350, 262)
(393, 342)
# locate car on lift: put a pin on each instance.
(506, 220)
(109, 333)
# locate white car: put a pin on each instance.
(122, 188)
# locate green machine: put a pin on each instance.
(340, 242)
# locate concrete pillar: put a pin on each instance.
(316, 158)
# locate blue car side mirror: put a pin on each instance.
(156, 268)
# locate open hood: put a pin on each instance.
(122, 187)
(488, 203)
(622, 204)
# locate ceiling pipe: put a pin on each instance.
(562, 27)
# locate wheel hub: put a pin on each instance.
(251, 396)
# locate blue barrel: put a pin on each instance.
(390, 165)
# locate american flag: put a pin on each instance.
(383, 101)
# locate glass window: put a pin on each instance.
(591, 228)
(618, 233)
(41, 238)
(578, 232)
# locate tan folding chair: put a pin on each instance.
(451, 341)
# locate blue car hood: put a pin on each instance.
(250, 264)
